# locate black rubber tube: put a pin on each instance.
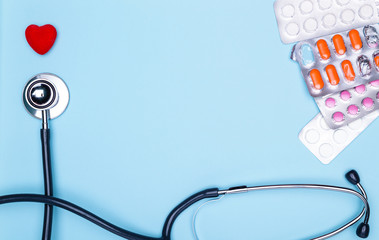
(36, 198)
(209, 193)
(48, 183)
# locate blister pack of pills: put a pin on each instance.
(326, 143)
(299, 20)
(340, 61)
(349, 105)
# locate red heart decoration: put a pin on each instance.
(41, 39)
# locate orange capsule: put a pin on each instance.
(339, 44)
(323, 49)
(316, 77)
(376, 59)
(331, 71)
(355, 39)
(348, 70)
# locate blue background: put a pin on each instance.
(168, 98)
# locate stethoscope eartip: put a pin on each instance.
(353, 177)
(363, 230)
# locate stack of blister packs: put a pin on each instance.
(337, 49)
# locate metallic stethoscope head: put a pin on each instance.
(46, 96)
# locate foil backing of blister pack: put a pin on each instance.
(343, 108)
(300, 20)
(366, 54)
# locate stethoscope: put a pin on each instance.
(46, 96)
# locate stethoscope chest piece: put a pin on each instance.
(46, 92)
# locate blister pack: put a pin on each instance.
(326, 143)
(340, 61)
(349, 105)
(299, 20)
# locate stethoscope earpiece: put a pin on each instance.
(363, 230)
(353, 177)
(46, 94)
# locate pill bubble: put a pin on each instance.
(356, 125)
(325, 4)
(368, 103)
(330, 102)
(343, 2)
(375, 83)
(364, 65)
(340, 136)
(345, 95)
(366, 12)
(310, 25)
(288, 11)
(307, 55)
(348, 16)
(293, 29)
(360, 89)
(371, 36)
(338, 117)
(326, 150)
(329, 20)
(312, 136)
(306, 7)
(323, 124)
(353, 110)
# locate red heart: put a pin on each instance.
(41, 39)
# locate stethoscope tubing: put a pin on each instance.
(170, 220)
(362, 196)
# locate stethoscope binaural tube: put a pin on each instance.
(206, 194)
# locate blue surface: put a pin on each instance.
(168, 98)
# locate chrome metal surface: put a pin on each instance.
(55, 106)
(45, 119)
(314, 187)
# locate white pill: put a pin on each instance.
(312, 136)
(288, 11)
(325, 4)
(366, 12)
(293, 29)
(340, 136)
(348, 16)
(343, 2)
(306, 7)
(356, 125)
(310, 25)
(329, 20)
(326, 150)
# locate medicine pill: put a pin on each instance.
(339, 44)
(346, 107)
(348, 70)
(323, 49)
(331, 71)
(355, 39)
(316, 77)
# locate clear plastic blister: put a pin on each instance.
(347, 106)
(299, 20)
(340, 61)
(326, 143)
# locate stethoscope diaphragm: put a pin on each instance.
(46, 92)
